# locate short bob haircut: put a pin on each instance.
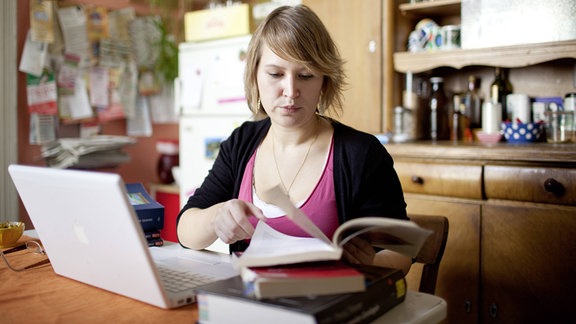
(296, 34)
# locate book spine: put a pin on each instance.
(155, 242)
(152, 234)
(365, 307)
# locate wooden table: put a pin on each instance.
(39, 295)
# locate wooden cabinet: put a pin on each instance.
(356, 28)
(528, 262)
(510, 251)
(459, 274)
(538, 70)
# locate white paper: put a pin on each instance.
(144, 35)
(270, 247)
(140, 124)
(99, 80)
(76, 106)
(33, 56)
(192, 88)
(128, 89)
(162, 106)
(73, 24)
(42, 128)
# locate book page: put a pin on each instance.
(402, 236)
(270, 247)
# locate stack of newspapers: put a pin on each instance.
(83, 153)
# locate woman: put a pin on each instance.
(294, 75)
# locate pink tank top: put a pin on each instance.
(320, 206)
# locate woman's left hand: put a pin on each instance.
(358, 251)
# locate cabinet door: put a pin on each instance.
(458, 278)
(356, 27)
(528, 263)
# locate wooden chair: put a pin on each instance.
(432, 251)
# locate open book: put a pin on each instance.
(270, 247)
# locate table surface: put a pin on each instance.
(40, 295)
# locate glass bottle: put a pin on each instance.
(473, 103)
(439, 129)
(423, 112)
(499, 89)
(456, 121)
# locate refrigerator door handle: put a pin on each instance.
(177, 101)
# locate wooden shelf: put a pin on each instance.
(502, 153)
(504, 56)
(431, 8)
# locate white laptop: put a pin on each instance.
(91, 234)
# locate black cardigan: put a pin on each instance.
(365, 181)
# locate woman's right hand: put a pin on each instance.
(231, 222)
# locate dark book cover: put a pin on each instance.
(152, 234)
(150, 213)
(385, 288)
(158, 241)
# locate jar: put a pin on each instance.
(169, 158)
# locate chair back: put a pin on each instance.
(433, 249)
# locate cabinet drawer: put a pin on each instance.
(534, 184)
(453, 180)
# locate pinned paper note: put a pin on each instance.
(33, 57)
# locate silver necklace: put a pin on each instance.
(287, 189)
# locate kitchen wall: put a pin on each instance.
(141, 168)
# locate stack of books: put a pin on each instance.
(226, 301)
(303, 280)
(150, 213)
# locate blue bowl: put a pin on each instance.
(522, 133)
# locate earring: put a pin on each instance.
(259, 105)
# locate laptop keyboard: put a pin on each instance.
(176, 281)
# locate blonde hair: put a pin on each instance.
(296, 34)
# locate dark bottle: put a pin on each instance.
(439, 129)
(473, 103)
(499, 89)
(459, 124)
(423, 112)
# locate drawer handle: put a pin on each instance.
(468, 306)
(417, 180)
(554, 187)
(493, 310)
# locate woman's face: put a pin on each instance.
(289, 92)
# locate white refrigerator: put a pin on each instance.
(211, 102)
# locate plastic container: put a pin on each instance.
(522, 132)
(169, 158)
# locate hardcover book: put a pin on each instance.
(270, 247)
(152, 234)
(150, 213)
(302, 279)
(225, 302)
(158, 241)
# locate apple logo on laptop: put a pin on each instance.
(81, 234)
